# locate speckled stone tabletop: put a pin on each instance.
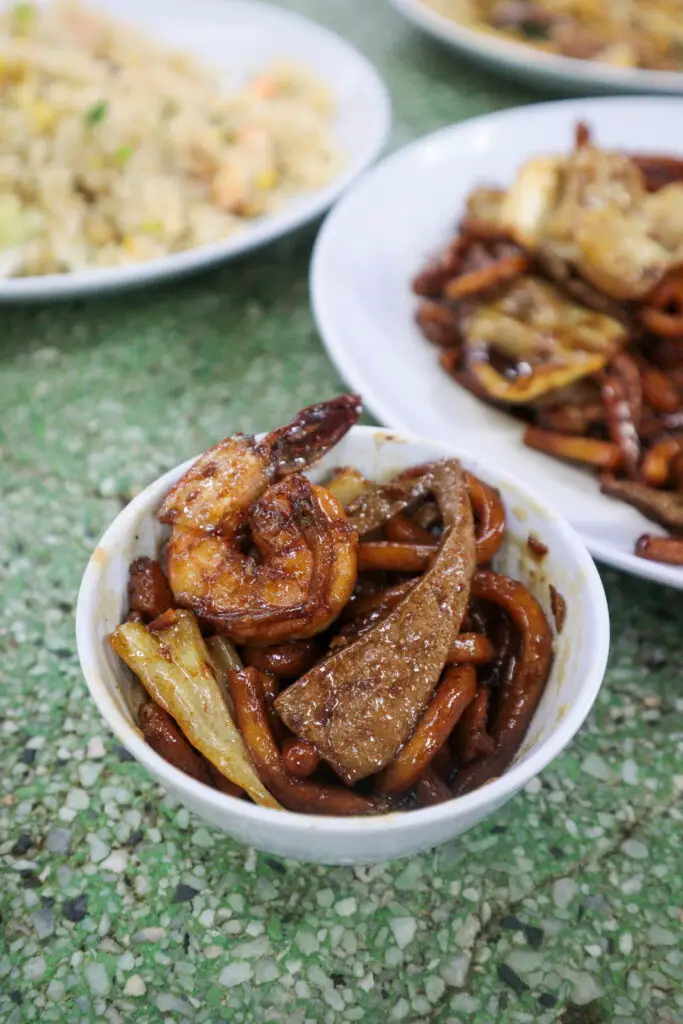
(115, 903)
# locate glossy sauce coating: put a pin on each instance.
(472, 649)
(376, 507)
(537, 548)
(393, 691)
(471, 738)
(490, 518)
(286, 661)
(385, 556)
(164, 736)
(455, 691)
(378, 601)
(656, 466)
(296, 794)
(402, 529)
(665, 507)
(487, 278)
(664, 312)
(521, 690)
(565, 320)
(363, 702)
(660, 549)
(622, 396)
(305, 571)
(602, 454)
(300, 757)
(430, 789)
(658, 391)
(149, 594)
(559, 608)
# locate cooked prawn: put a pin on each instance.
(300, 569)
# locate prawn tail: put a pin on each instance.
(310, 435)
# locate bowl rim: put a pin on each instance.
(592, 596)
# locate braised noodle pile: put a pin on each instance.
(561, 300)
(344, 649)
(635, 34)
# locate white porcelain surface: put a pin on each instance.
(381, 234)
(533, 66)
(580, 657)
(241, 37)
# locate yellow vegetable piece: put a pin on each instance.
(531, 198)
(552, 339)
(17, 225)
(42, 116)
(152, 226)
(267, 179)
(175, 668)
(346, 484)
(225, 659)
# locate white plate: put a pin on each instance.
(242, 37)
(380, 235)
(534, 66)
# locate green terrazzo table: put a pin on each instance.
(117, 905)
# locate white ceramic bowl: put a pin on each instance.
(580, 658)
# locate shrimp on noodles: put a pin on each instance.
(256, 549)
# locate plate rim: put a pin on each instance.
(294, 215)
(535, 63)
(332, 337)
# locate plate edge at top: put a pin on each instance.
(527, 64)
